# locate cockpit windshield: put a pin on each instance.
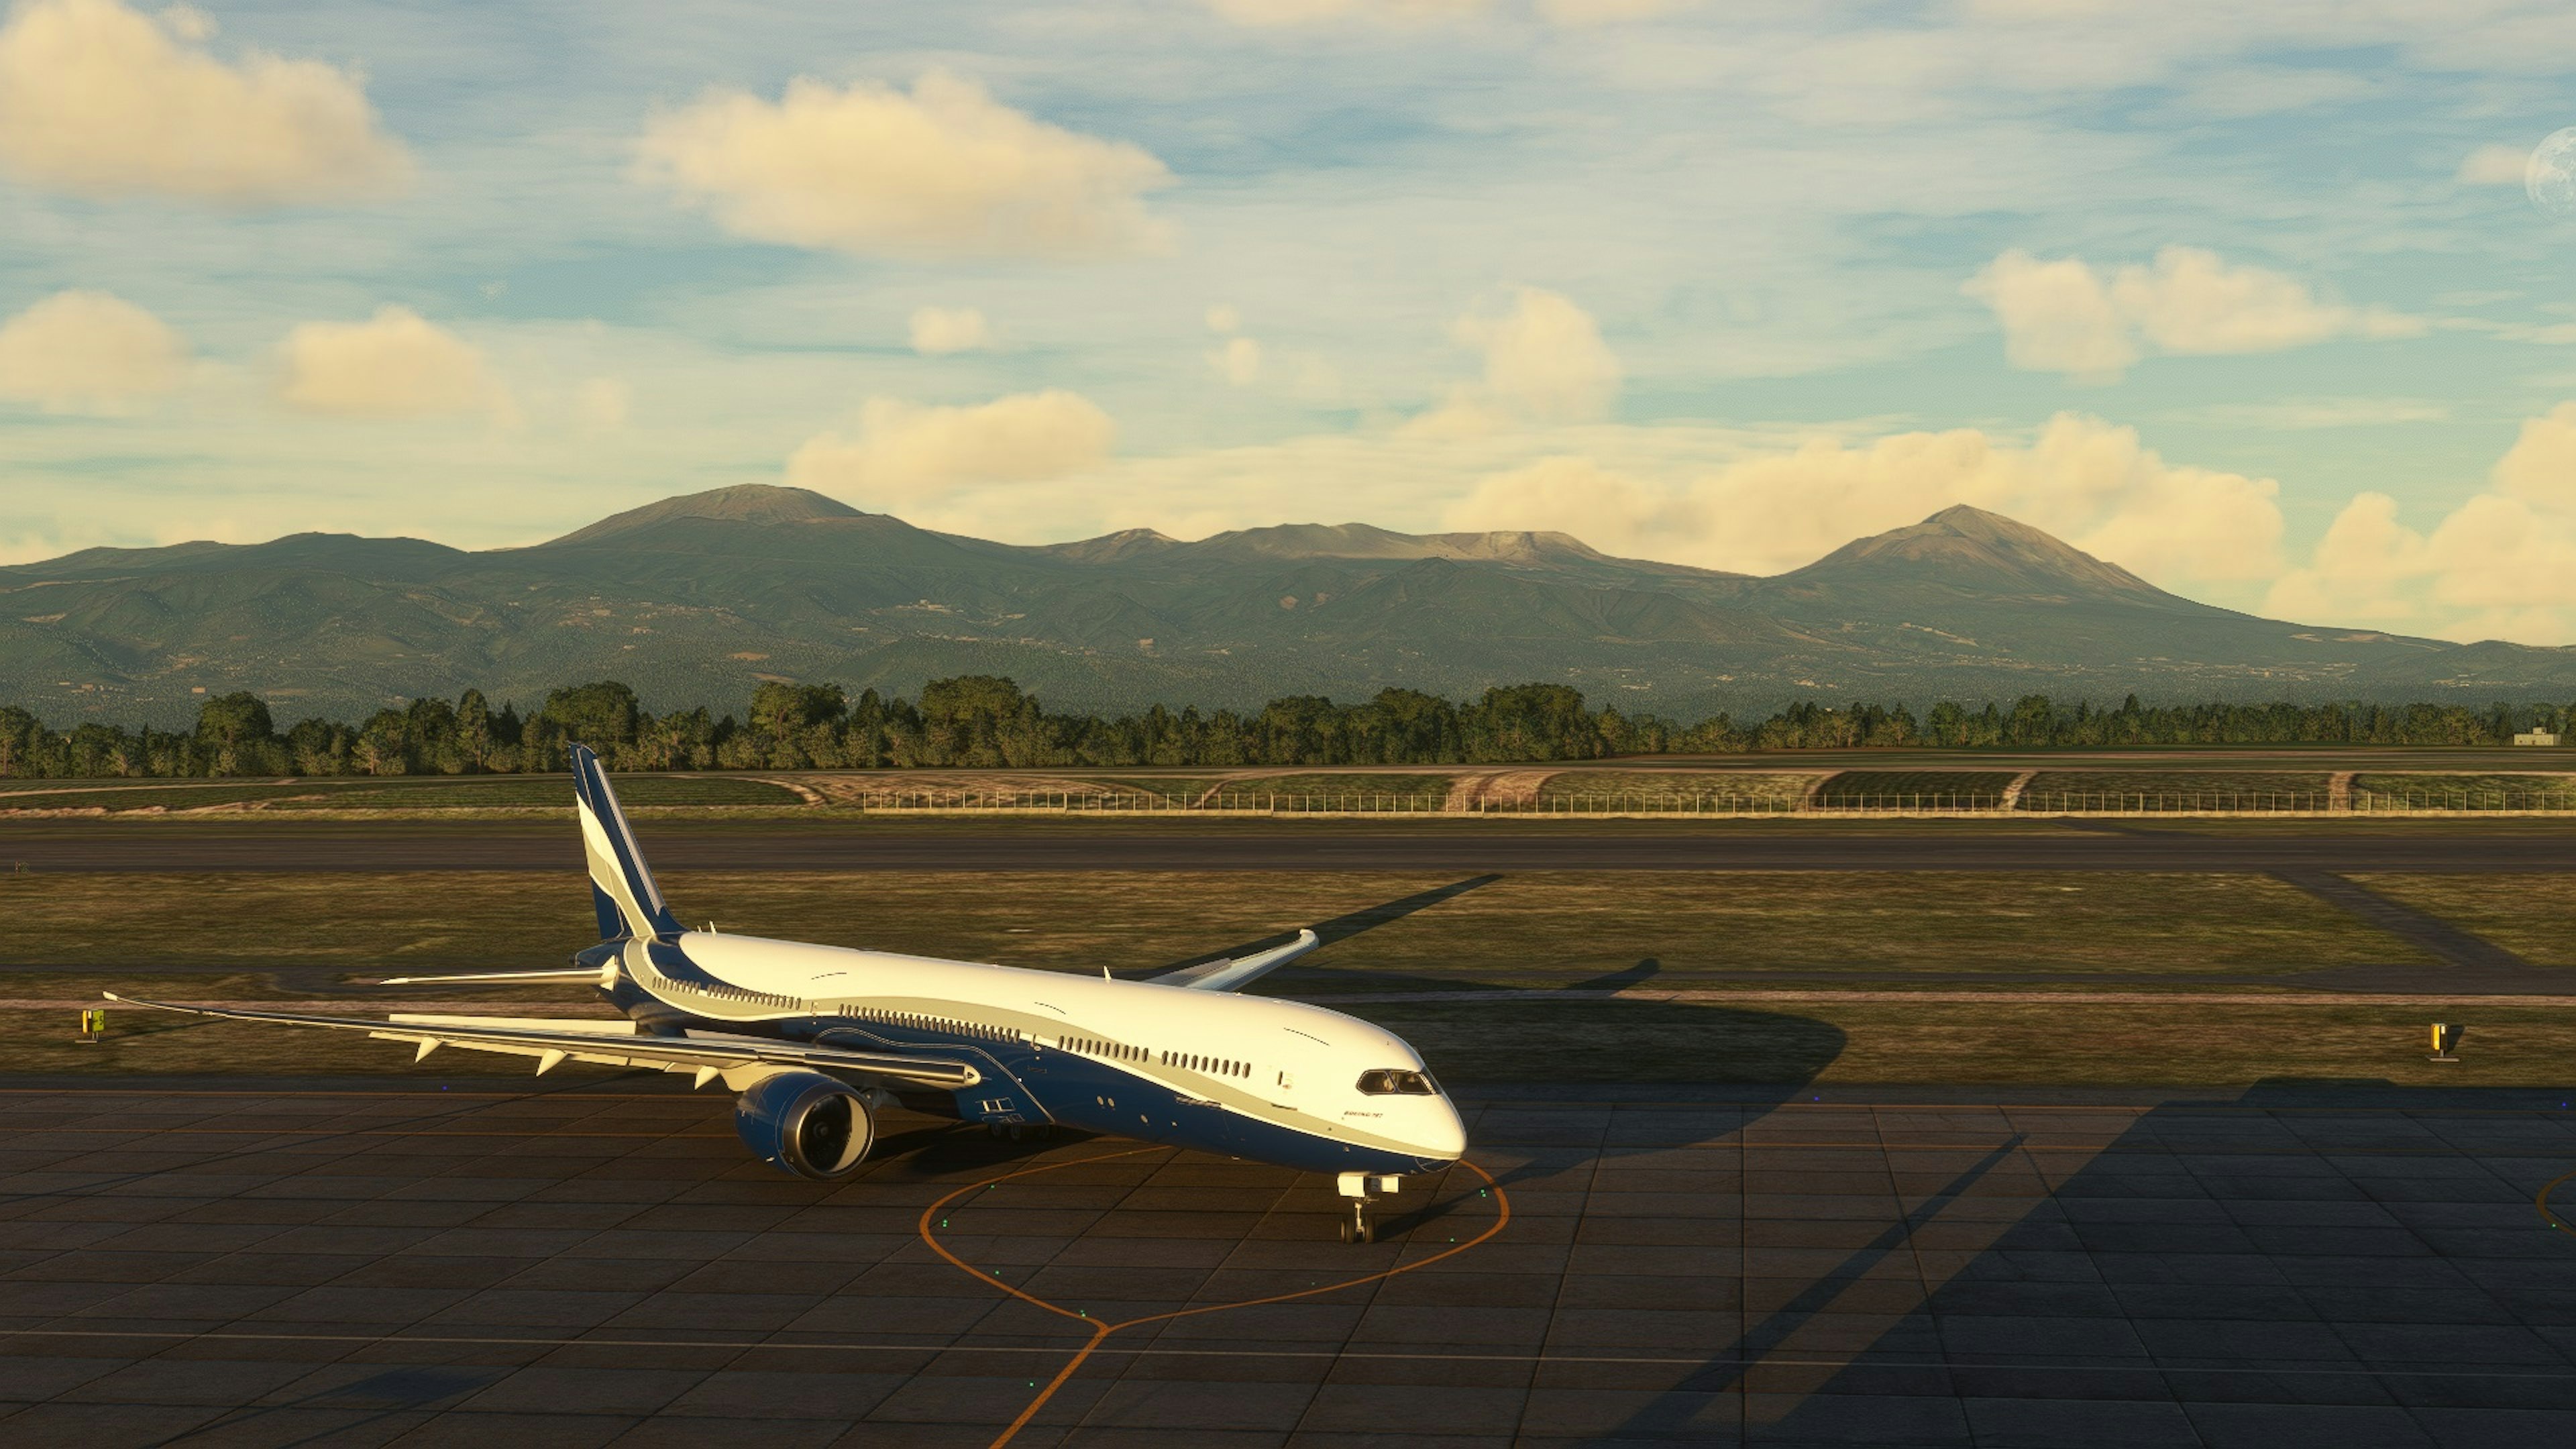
(1398, 1084)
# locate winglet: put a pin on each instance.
(112, 996)
(621, 885)
(1234, 975)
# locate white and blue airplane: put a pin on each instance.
(816, 1039)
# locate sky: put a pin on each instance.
(2270, 304)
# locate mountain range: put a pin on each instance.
(696, 599)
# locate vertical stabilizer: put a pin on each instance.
(621, 885)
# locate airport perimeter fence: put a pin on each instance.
(1949, 805)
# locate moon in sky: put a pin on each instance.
(2550, 176)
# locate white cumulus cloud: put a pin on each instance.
(2068, 316)
(396, 364)
(81, 351)
(99, 100)
(937, 331)
(942, 171)
(2500, 565)
(905, 452)
(1545, 362)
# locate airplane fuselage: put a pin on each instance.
(1254, 1077)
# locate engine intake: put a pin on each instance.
(805, 1124)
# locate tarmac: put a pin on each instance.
(1281, 846)
(597, 1261)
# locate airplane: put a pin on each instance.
(815, 1040)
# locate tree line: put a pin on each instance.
(983, 720)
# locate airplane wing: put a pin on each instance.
(1234, 974)
(611, 1043)
(565, 973)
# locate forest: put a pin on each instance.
(982, 720)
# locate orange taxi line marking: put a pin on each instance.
(1100, 1331)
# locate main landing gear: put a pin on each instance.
(1356, 1188)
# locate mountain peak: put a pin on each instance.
(763, 504)
(1971, 547)
(1126, 543)
(1366, 541)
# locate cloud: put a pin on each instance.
(101, 101)
(1545, 362)
(937, 331)
(396, 364)
(2057, 316)
(2502, 564)
(2083, 479)
(2317, 413)
(2066, 316)
(905, 451)
(1608, 12)
(88, 352)
(941, 172)
(1238, 361)
(1274, 13)
(1223, 318)
(1410, 14)
(2494, 166)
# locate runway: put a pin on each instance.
(295, 1262)
(1289, 847)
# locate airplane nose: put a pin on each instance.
(1445, 1135)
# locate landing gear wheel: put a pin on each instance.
(1356, 1228)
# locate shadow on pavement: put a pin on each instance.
(2308, 1261)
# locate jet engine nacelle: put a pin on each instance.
(805, 1124)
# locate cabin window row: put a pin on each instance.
(1094, 1046)
(1213, 1066)
(920, 1022)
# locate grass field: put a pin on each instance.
(1916, 789)
(2175, 790)
(1430, 932)
(2062, 1044)
(1324, 791)
(2464, 792)
(2035, 941)
(1176, 789)
(2533, 916)
(1715, 790)
(2185, 782)
(399, 793)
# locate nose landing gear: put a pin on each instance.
(1355, 1188)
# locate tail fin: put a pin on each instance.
(621, 885)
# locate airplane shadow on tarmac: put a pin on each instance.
(1790, 1050)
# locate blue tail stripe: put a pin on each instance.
(590, 786)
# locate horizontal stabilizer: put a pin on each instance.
(598, 1041)
(561, 973)
(1234, 974)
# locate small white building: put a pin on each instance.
(2535, 737)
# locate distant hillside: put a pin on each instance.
(696, 599)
